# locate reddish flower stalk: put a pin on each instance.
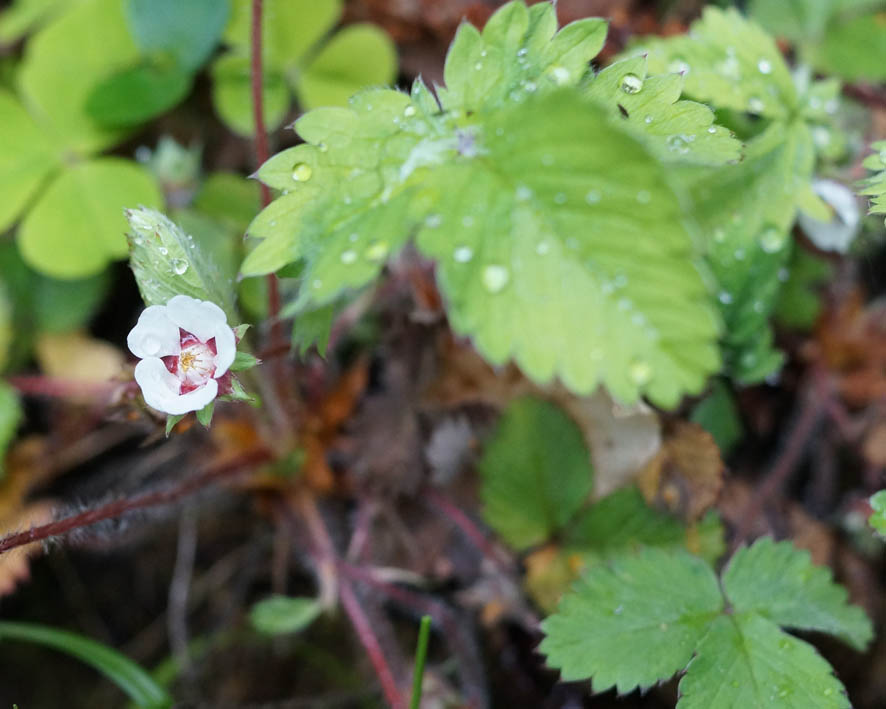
(118, 508)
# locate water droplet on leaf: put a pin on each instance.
(348, 256)
(772, 240)
(765, 66)
(463, 254)
(180, 266)
(495, 278)
(631, 84)
(301, 172)
(377, 251)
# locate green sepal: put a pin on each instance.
(171, 421)
(240, 331)
(204, 415)
(238, 393)
(243, 361)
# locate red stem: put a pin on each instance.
(121, 507)
(466, 525)
(262, 154)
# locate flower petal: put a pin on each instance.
(199, 317)
(154, 335)
(160, 389)
(226, 349)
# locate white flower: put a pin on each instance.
(184, 347)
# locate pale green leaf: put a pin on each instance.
(797, 20)
(633, 623)
(728, 61)
(10, 417)
(359, 56)
(875, 185)
(313, 328)
(781, 583)
(854, 49)
(167, 262)
(877, 520)
(232, 95)
(65, 60)
(290, 28)
(77, 227)
(515, 56)
(66, 305)
(675, 130)
(137, 94)
(279, 615)
(118, 668)
(746, 661)
(23, 16)
(228, 198)
(800, 299)
(186, 31)
(555, 247)
(26, 159)
(536, 472)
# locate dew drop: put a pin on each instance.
(828, 691)
(678, 143)
(353, 237)
(467, 221)
(725, 297)
(643, 197)
(547, 159)
(163, 251)
(755, 105)
(560, 198)
(478, 66)
(592, 197)
(495, 278)
(530, 86)
(619, 610)
(640, 373)
(322, 147)
(523, 193)
(647, 120)
(139, 241)
(301, 172)
(348, 256)
(180, 266)
(433, 221)
(409, 111)
(317, 284)
(560, 74)
(522, 52)
(772, 240)
(631, 84)
(712, 130)
(764, 66)
(719, 236)
(783, 274)
(678, 66)
(463, 254)
(739, 254)
(542, 247)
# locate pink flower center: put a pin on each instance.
(195, 364)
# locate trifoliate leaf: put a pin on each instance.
(232, 94)
(335, 73)
(681, 131)
(730, 62)
(633, 623)
(64, 62)
(745, 213)
(167, 261)
(283, 614)
(516, 55)
(718, 415)
(746, 661)
(137, 94)
(10, 416)
(77, 226)
(878, 519)
(780, 582)
(536, 472)
(26, 159)
(185, 31)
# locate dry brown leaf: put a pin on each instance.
(78, 357)
(874, 446)
(686, 475)
(14, 566)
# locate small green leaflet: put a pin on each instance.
(746, 661)
(641, 619)
(167, 262)
(279, 615)
(729, 62)
(877, 520)
(633, 622)
(679, 131)
(10, 416)
(553, 246)
(536, 472)
(875, 185)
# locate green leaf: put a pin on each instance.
(359, 56)
(536, 472)
(854, 49)
(745, 212)
(228, 198)
(877, 520)
(137, 94)
(63, 306)
(278, 615)
(171, 421)
(481, 71)
(10, 417)
(64, 62)
(290, 28)
(168, 262)
(77, 226)
(7, 314)
(633, 623)
(26, 159)
(204, 415)
(799, 301)
(313, 328)
(796, 20)
(23, 16)
(718, 415)
(244, 360)
(875, 185)
(232, 95)
(122, 671)
(186, 31)
(675, 130)
(730, 62)
(746, 661)
(781, 583)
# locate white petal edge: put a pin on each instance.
(199, 317)
(225, 347)
(160, 389)
(154, 335)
